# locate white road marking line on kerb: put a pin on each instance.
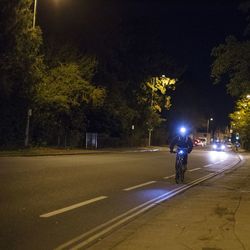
(140, 185)
(62, 210)
(194, 169)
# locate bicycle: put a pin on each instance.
(179, 165)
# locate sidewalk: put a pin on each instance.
(58, 151)
(214, 215)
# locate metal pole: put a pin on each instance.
(207, 126)
(34, 14)
(207, 129)
(149, 137)
(26, 142)
(95, 140)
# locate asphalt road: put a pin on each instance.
(64, 201)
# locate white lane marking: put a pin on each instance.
(62, 210)
(138, 186)
(212, 164)
(194, 169)
(168, 177)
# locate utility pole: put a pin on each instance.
(26, 142)
(151, 105)
(208, 123)
(34, 14)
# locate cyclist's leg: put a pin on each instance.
(177, 170)
(185, 159)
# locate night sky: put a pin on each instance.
(187, 29)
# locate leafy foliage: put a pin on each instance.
(21, 67)
(232, 64)
(241, 120)
(65, 95)
(62, 85)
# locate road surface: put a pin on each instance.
(62, 202)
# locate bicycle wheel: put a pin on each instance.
(182, 172)
(178, 174)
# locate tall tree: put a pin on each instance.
(241, 120)
(65, 95)
(232, 65)
(130, 58)
(21, 67)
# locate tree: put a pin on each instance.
(63, 96)
(157, 88)
(129, 60)
(157, 98)
(21, 67)
(232, 64)
(241, 120)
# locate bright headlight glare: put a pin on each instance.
(183, 130)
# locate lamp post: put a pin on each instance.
(29, 114)
(26, 141)
(34, 14)
(208, 123)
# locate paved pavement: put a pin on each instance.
(57, 151)
(214, 215)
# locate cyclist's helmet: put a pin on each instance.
(182, 132)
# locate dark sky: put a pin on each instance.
(188, 29)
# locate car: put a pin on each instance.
(197, 142)
(218, 146)
(200, 142)
(203, 141)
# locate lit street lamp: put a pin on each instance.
(208, 123)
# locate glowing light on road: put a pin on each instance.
(215, 156)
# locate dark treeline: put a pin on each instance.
(65, 92)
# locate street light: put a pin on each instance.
(208, 122)
(34, 14)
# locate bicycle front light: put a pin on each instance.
(181, 152)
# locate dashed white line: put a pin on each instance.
(100, 231)
(62, 210)
(138, 186)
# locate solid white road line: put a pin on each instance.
(212, 164)
(62, 210)
(168, 177)
(194, 169)
(138, 186)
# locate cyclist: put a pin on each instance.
(182, 140)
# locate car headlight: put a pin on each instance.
(222, 146)
(214, 146)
